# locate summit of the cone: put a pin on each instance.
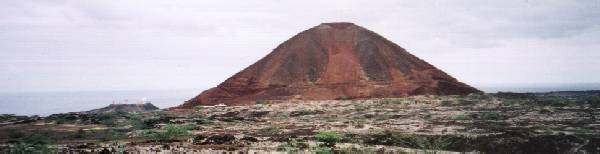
(337, 25)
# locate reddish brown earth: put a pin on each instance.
(332, 61)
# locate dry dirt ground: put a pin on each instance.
(414, 115)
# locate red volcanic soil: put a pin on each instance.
(332, 61)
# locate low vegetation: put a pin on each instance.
(458, 117)
(169, 132)
(35, 143)
(329, 139)
(428, 123)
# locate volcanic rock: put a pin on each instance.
(124, 108)
(333, 61)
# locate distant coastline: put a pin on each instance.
(46, 103)
(521, 88)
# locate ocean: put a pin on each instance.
(46, 103)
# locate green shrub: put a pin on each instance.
(6, 117)
(169, 132)
(447, 103)
(37, 139)
(136, 122)
(552, 101)
(151, 123)
(432, 143)
(360, 107)
(354, 150)
(391, 102)
(61, 118)
(284, 147)
(423, 142)
(328, 138)
(593, 101)
(111, 135)
(458, 117)
(322, 150)
(261, 102)
(292, 146)
(35, 143)
(511, 102)
(102, 135)
(465, 102)
(110, 119)
(15, 133)
(491, 116)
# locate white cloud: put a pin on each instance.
(92, 45)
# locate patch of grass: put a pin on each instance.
(424, 142)
(391, 102)
(553, 101)
(474, 96)
(37, 139)
(357, 151)
(284, 117)
(352, 138)
(292, 145)
(360, 107)
(261, 102)
(112, 135)
(137, 122)
(35, 143)
(447, 103)
(592, 101)
(111, 119)
(169, 132)
(322, 150)
(328, 138)
(458, 117)
(491, 116)
(432, 143)
(465, 102)
(511, 102)
(61, 118)
(102, 135)
(15, 133)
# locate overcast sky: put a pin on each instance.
(78, 45)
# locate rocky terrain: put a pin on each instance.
(146, 107)
(558, 122)
(333, 61)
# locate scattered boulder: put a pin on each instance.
(220, 139)
(258, 114)
(304, 112)
(249, 139)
